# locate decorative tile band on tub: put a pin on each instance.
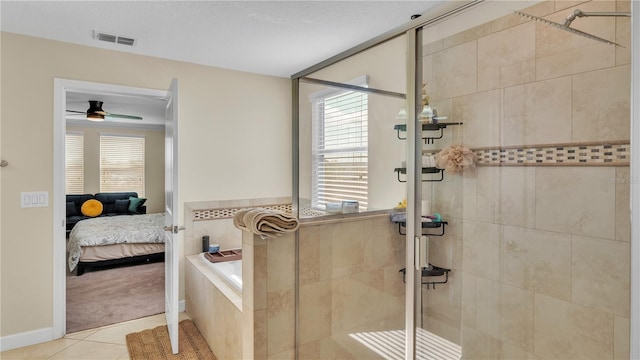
(613, 153)
(227, 213)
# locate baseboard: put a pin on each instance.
(26, 338)
(15, 341)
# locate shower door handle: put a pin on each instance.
(416, 254)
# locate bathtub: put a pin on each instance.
(229, 271)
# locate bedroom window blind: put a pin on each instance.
(74, 163)
(122, 164)
(340, 149)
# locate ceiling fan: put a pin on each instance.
(95, 112)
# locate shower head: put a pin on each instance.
(567, 23)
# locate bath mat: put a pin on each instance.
(154, 344)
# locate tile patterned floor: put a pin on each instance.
(104, 343)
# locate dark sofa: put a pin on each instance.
(108, 200)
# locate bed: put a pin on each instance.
(112, 240)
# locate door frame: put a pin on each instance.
(61, 87)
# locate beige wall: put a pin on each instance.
(154, 162)
(540, 254)
(234, 142)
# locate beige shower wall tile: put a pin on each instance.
(623, 215)
(432, 47)
(488, 193)
(447, 197)
(477, 345)
(443, 327)
(280, 263)
(469, 193)
(347, 248)
(446, 299)
(530, 264)
(460, 38)
(577, 200)
(623, 5)
(510, 352)
(538, 113)
(517, 196)
(280, 322)
(488, 317)
(482, 249)
(383, 245)
(446, 251)
(601, 104)
(357, 299)
(469, 285)
(481, 114)
(621, 346)
(565, 331)
(427, 75)
(561, 53)
(454, 71)
(315, 253)
(541, 9)
(516, 317)
(507, 58)
(315, 311)
(600, 274)
(623, 37)
(565, 4)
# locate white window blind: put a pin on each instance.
(74, 163)
(122, 164)
(340, 142)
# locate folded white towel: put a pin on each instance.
(266, 223)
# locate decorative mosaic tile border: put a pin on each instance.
(576, 154)
(214, 214)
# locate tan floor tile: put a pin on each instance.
(38, 351)
(116, 334)
(84, 350)
(80, 335)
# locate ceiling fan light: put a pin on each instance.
(95, 117)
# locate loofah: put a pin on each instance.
(455, 158)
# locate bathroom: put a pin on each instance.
(534, 237)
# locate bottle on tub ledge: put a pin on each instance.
(205, 243)
(350, 206)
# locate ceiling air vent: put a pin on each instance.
(115, 39)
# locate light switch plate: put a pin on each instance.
(34, 199)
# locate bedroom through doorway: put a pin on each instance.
(118, 164)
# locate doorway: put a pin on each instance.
(63, 90)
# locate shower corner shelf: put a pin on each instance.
(426, 127)
(425, 225)
(425, 170)
(429, 272)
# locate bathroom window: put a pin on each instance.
(122, 164)
(74, 163)
(340, 147)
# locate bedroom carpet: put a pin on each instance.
(111, 296)
(155, 344)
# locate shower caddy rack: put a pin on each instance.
(440, 126)
(431, 270)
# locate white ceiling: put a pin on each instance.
(278, 38)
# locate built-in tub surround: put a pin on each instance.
(266, 300)
(215, 307)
